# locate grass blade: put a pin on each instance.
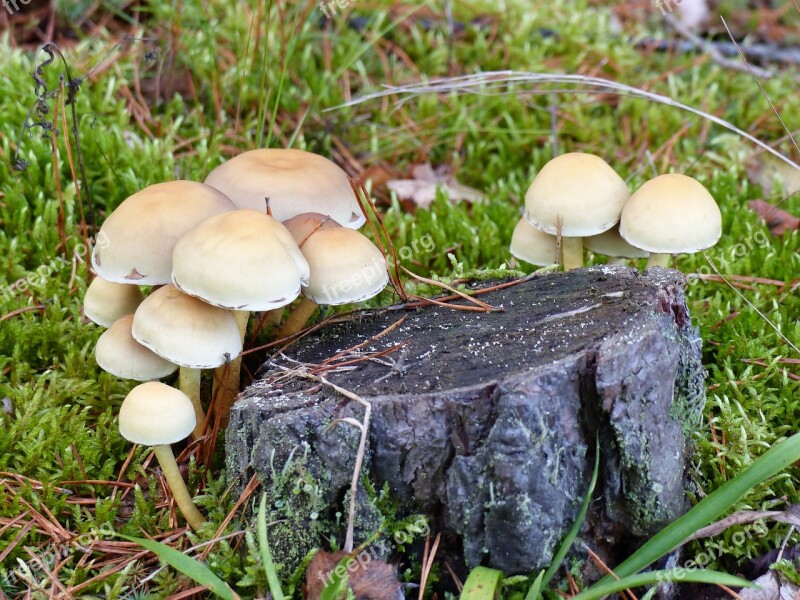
(775, 460)
(191, 567)
(482, 584)
(535, 592)
(566, 544)
(603, 588)
(266, 556)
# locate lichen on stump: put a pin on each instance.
(487, 422)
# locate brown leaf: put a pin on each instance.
(778, 221)
(422, 188)
(770, 587)
(368, 577)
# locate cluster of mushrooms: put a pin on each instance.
(264, 228)
(581, 199)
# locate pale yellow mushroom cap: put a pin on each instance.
(302, 226)
(533, 246)
(671, 214)
(186, 330)
(295, 182)
(345, 267)
(610, 243)
(154, 414)
(118, 353)
(581, 190)
(241, 260)
(140, 234)
(106, 301)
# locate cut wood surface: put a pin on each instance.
(487, 422)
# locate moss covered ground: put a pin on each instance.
(201, 81)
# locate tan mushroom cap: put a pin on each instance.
(345, 266)
(140, 234)
(533, 246)
(295, 182)
(186, 330)
(106, 301)
(154, 414)
(241, 260)
(302, 226)
(671, 214)
(581, 190)
(611, 243)
(118, 353)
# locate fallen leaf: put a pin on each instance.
(771, 587)
(779, 221)
(422, 188)
(368, 577)
(764, 169)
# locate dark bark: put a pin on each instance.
(488, 421)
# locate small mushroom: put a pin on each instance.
(106, 301)
(243, 260)
(117, 352)
(533, 246)
(345, 267)
(293, 182)
(190, 333)
(575, 195)
(671, 214)
(144, 229)
(610, 243)
(157, 415)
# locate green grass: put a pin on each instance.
(275, 82)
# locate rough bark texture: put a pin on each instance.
(487, 423)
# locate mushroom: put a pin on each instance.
(157, 415)
(292, 181)
(143, 230)
(610, 243)
(533, 246)
(345, 267)
(118, 353)
(190, 333)
(105, 301)
(575, 195)
(671, 214)
(243, 260)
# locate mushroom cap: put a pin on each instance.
(295, 182)
(580, 189)
(345, 267)
(106, 301)
(302, 226)
(240, 260)
(611, 243)
(671, 214)
(118, 353)
(154, 414)
(533, 246)
(141, 233)
(186, 330)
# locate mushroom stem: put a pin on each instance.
(572, 252)
(298, 317)
(175, 481)
(226, 377)
(617, 260)
(189, 384)
(658, 260)
(274, 317)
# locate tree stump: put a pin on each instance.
(487, 422)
